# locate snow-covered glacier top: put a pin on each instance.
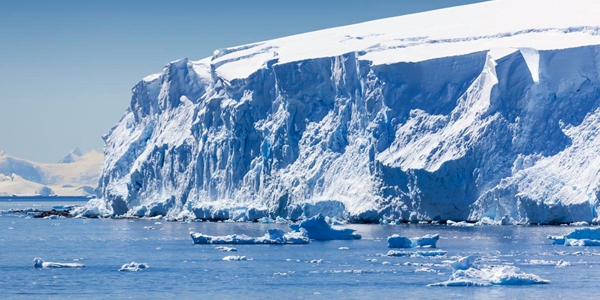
(512, 24)
(481, 111)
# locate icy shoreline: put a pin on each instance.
(97, 209)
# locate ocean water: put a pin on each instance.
(319, 270)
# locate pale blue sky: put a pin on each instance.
(67, 67)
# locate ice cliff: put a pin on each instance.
(486, 110)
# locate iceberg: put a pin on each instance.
(494, 275)
(226, 249)
(41, 264)
(578, 237)
(397, 241)
(393, 119)
(273, 236)
(317, 228)
(134, 267)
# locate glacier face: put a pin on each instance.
(484, 131)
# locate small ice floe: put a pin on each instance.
(459, 224)
(579, 237)
(134, 267)
(425, 270)
(41, 264)
(316, 261)
(284, 273)
(432, 253)
(226, 249)
(541, 262)
(235, 258)
(494, 275)
(350, 271)
(343, 248)
(267, 220)
(372, 259)
(148, 227)
(580, 224)
(397, 241)
(462, 263)
(317, 228)
(273, 236)
(562, 264)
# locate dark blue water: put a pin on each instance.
(180, 269)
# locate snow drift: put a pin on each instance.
(480, 111)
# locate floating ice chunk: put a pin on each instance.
(273, 236)
(397, 241)
(542, 262)
(429, 240)
(580, 224)
(316, 261)
(343, 248)
(561, 264)
(235, 258)
(462, 263)
(40, 263)
(495, 275)
(226, 249)
(425, 270)
(284, 273)
(317, 228)
(578, 237)
(134, 267)
(459, 224)
(431, 253)
(581, 242)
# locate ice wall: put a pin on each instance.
(485, 134)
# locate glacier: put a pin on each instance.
(483, 111)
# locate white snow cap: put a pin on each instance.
(538, 24)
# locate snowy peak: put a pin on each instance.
(73, 156)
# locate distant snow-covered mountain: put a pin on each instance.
(73, 156)
(488, 110)
(75, 175)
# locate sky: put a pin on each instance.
(67, 66)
